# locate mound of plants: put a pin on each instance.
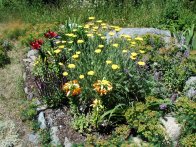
(5, 46)
(111, 85)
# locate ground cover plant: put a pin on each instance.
(109, 82)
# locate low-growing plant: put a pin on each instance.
(4, 59)
(29, 112)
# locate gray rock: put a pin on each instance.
(30, 96)
(191, 80)
(67, 143)
(26, 90)
(172, 128)
(41, 120)
(134, 32)
(53, 133)
(32, 53)
(41, 108)
(24, 76)
(27, 60)
(33, 58)
(33, 138)
(190, 88)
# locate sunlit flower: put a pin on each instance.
(86, 26)
(57, 42)
(61, 46)
(99, 21)
(141, 63)
(117, 29)
(64, 41)
(102, 87)
(74, 30)
(133, 57)
(70, 34)
(95, 27)
(98, 51)
(78, 52)
(133, 54)
(57, 51)
(115, 66)
(72, 88)
(104, 27)
(103, 24)
(61, 64)
(115, 45)
(139, 39)
(80, 41)
(133, 43)
(103, 37)
(65, 73)
(108, 61)
(91, 73)
(70, 42)
(81, 76)
(96, 103)
(100, 46)
(71, 66)
(111, 33)
(75, 56)
(142, 51)
(124, 51)
(89, 35)
(91, 18)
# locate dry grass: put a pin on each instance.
(12, 95)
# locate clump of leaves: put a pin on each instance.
(185, 114)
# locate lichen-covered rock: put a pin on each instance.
(172, 128)
(190, 88)
(42, 121)
(133, 32)
(55, 139)
(32, 53)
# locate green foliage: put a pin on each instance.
(29, 112)
(145, 121)
(185, 113)
(4, 59)
(188, 140)
(45, 138)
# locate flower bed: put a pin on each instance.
(115, 86)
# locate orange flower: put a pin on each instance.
(102, 87)
(72, 88)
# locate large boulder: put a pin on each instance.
(134, 32)
(190, 88)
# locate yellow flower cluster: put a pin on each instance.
(102, 87)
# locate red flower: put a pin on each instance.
(36, 44)
(50, 34)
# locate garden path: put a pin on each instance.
(13, 131)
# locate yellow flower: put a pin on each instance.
(108, 61)
(103, 24)
(133, 54)
(91, 18)
(80, 41)
(95, 27)
(100, 46)
(86, 26)
(71, 66)
(133, 57)
(70, 35)
(103, 37)
(74, 36)
(70, 42)
(142, 51)
(75, 56)
(49, 53)
(74, 30)
(61, 46)
(115, 45)
(111, 33)
(141, 63)
(57, 42)
(64, 41)
(129, 39)
(133, 43)
(124, 51)
(65, 73)
(99, 34)
(78, 52)
(99, 21)
(57, 51)
(91, 73)
(98, 51)
(104, 27)
(81, 76)
(90, 35)
(115, 66)
(117, 29)
(139, 39)
(60, 63)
